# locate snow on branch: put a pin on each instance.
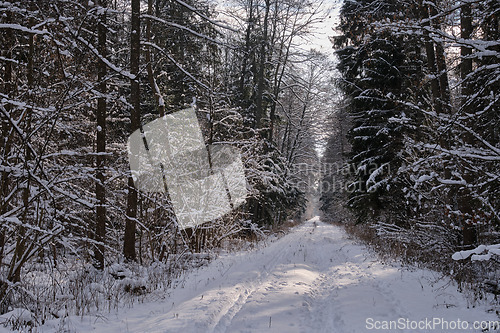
(464, 153)
(175, 25)
(478, 254)
(482, 47)
(371, 182)
(23, 29)
(197, 12)
(179, 66)
(105, 60)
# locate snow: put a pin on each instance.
(22, 28)
(16, 316)
(104, 59)
(476, 253)
(425, 178)
(314, 279)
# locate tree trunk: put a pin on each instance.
(278, 79)
(442, 72)
(465, 52)
(260, 108)
(431, 63)
(465, 200)
(160, 103)
(246, 57)
(100, 191)
(135, 122)
(7, 90)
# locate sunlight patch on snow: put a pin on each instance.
(314, 279)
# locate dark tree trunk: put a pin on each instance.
(431, 63)
(260, 108)
(246, 56)
(135, 123)
(100, 191)
(465, 200)
(149, 65)
(442, 72)
(465, 52)
(7, 90)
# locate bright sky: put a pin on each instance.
(320, 40)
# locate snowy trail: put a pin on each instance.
(313, 279)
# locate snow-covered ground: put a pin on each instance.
(313, 279)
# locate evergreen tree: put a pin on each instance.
(378, 72)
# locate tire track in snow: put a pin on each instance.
(221, 324)
(313, 279)
(355, 286)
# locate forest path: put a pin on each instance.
(314, 279)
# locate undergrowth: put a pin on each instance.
(417, 247)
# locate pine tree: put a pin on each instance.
(378, 70)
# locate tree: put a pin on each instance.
(397, 61)
(265, 82)
(100, 192)
(378, 70)
(135, 124)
